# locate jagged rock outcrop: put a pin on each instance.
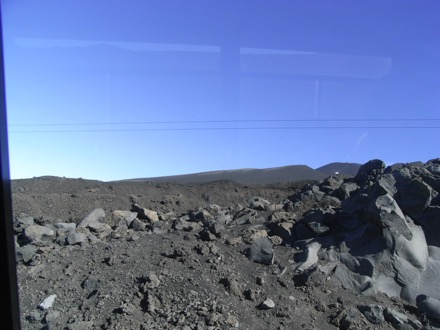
(384, 234)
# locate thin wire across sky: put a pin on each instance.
(229, 121)
(354, 124)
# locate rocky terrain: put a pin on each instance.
(361, 252)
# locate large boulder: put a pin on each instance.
(310, 256)
(224, 218)
(369, 171)
(76, 238)
(126, 216)
(349, 280)
(262, 251)
(414, 196)
(38, 235)
(331, 183)
(346, 190)
(429, 305)
(26, 253)
(385, 184)
(258, 203)
(148, 215)
(144, 213)
(101, 230)
(386, 213)
(95, 216)
(317, 220)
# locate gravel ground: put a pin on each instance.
(173, 273)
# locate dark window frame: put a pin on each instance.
(10, 312)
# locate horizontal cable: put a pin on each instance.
(226, 129)
(228, 121)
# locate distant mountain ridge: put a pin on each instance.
(261, 176)
(343, 168)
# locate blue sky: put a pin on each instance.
(101, 90)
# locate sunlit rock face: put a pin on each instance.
(386, 234)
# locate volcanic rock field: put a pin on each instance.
(358, 252)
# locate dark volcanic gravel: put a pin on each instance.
(188, 269)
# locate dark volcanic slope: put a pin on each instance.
(246, 176)
(72, 199)
(342, 168)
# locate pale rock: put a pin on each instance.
(151, 281)
(76, 238)
(276, 240)
(126, 216)
(311, 256)
(48, 302)
(258, 203)
(267, 304)
(38, 235)
(414, 250)
(285, 231)
(95, 216)
(276, 207)
(223, 218)
(407, 274)
(148, 215)
(26, 221)
(65, 225)
(429, 280)
(168, 216)
(232, 321)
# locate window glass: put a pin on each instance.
(309, 83)
(105, 98)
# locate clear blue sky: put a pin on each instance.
(111, 90)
